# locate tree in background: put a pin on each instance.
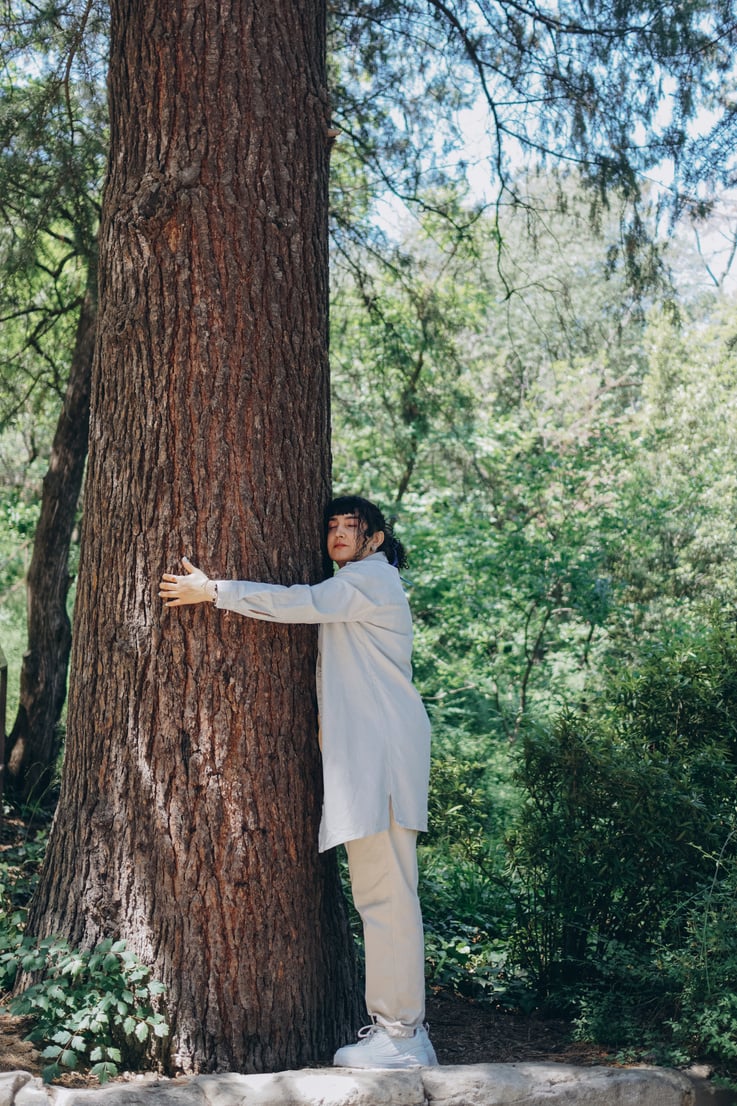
(187, 820)
(52, 142)
(510, 417)
(610, 90)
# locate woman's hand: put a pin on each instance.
(182, 591)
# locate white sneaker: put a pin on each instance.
(376, 1048)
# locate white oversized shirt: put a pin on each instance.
(375, 730)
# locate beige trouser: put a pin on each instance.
(383, 870)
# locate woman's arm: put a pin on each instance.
(334, 600)
(342, 598)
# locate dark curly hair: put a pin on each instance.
(372, 520)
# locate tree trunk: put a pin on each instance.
(190, 800)
(33, 743)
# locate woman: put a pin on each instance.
(375, 741)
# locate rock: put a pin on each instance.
(32, 1093)
(158, 1092)
(470, 1085)
(318, 1086)
(10, 1083)
(538, 1084)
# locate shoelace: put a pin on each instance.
(367, 1031)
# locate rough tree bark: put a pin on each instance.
(33, 743)
(189, 806)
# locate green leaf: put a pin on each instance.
(69, 1059)
(73, 966)
(104, 1071)
(53, 1071)
(142, 1031)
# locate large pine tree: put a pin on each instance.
(188, 814)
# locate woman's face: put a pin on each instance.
(347, 540)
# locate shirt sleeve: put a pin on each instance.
(334, 600)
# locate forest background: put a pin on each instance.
(541, 387)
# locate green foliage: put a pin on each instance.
(562, 460)
(18, 517)
(92, 1008)
(624, 853)
(18, 877)
(458, 812)
(466, 914)
(549, 84)
(673, 1000)
(89, 1008)
(706, 965)
(53, 137)
(467, 908)
(398, 335)
(569, 515)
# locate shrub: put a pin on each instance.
(92, 1008)
(705, 966)
(624, 806)
(624, 856)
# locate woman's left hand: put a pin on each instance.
(182, 591)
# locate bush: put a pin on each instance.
(466, 906)
(92, 1008)
(624, 855)
(678, 1001)
(705, 966)
(466, 913)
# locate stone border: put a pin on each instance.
(462, 1085)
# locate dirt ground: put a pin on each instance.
(15, 1053)
(467, 1032)
(463, 1032)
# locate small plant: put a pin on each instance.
(19, 868)
(466, 911)
(90, 1008)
